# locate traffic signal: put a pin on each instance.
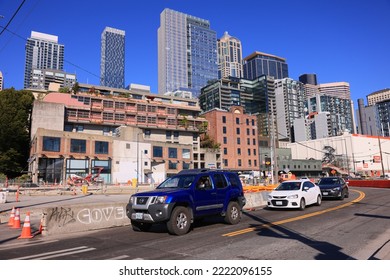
(267, 161)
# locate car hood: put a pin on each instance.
(328, 186)
(161, 192)
(284, 193)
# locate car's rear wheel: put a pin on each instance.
(138, 226)
(302, 204)
(319, 200)
(180, 221)
(233, 213)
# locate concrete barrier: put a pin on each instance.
(255, 199)
(78, 218)
(85, 217)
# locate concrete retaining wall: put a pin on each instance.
(77, 218)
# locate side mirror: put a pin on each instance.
(305, 188)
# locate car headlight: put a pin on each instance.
(270, 197)
(160, 199)
(132, 199)
(336, 189)
(294, 196)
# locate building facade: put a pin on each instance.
(229, 57)
(42, 52)
(347, 153)
(236, 132)
(41, 79)
(378, 96)
(259, 63)
(257, 97)
(187, 53)
(290, 99)
(112, 59)
(131, 135)
(337, 89)
(368, 119)
(341, 113)
(308, 79)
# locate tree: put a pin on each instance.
(205, 140)
(75, 88)
(15, 115)
(64, 90)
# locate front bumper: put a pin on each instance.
(331, 193)
(155, 213)
(283, 203)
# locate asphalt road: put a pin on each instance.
(355, 228)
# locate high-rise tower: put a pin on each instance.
(229, 57)
(187, 53)
(258, 63)
(112, 60)
(42, 52)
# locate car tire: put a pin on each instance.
(319, 200)
(342, 195)
(302, 204)
(347, 194)
(139, 226)
(180, 221)
(233, 213)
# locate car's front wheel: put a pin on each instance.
(180, 221)
(302, 204)
(233, 213)
(319, 200)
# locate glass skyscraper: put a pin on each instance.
(42, 52)
(112, 61)
(187, 53)
(259, 63)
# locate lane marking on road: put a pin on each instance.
(25, 244)
(119, 257)
(269, 225)
(59, 253)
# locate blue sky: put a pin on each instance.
(340, 41)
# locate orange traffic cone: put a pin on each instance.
(12, 218)
(26, 231)
(17, 219)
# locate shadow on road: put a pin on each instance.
(327, 251)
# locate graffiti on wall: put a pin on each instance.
(97, 215)
(62, 216)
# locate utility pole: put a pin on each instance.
(380, 152)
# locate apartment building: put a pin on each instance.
(131, 135)
(236, 132)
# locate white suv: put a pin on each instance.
(295, 194)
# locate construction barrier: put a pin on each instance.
(26, 230)
(369, 183)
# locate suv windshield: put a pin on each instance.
(328, 181)
(180, 182)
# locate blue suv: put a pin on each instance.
(189, 195)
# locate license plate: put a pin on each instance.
(279, 203)
(325, 193)
(139, 216)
